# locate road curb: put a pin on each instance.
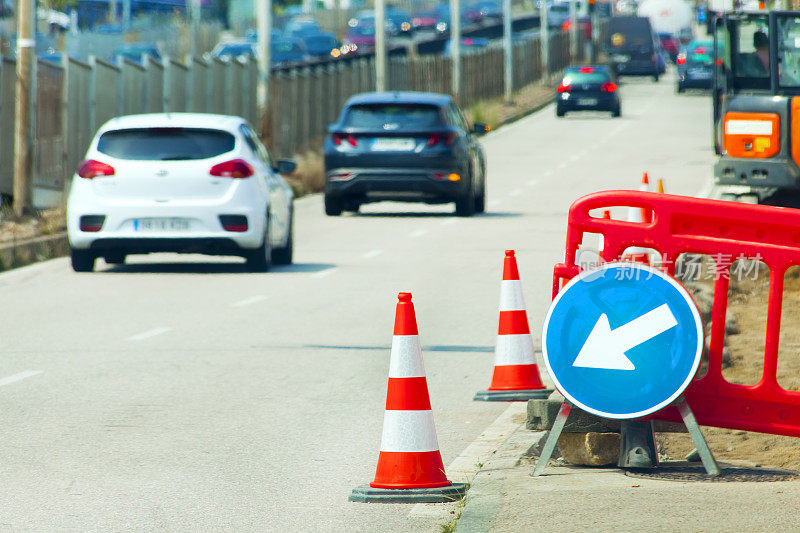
(20, 253)
(485, 497)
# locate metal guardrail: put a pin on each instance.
(75, 98)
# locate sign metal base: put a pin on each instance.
(709, 463)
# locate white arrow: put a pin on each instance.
(606, 349)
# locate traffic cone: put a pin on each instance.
(601, 240)
(516, 376)
(660, 187)
(647, 215)
(410, 468)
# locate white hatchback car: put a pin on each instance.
(180, 182)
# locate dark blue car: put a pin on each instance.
(321, 44)
(404, 146)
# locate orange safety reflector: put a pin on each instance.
(751, 135)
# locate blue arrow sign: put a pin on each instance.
(623, 340)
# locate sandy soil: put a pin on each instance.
(748, 303)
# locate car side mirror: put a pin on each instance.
(480, 128)
(285, 166)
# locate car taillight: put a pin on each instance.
(681, 59)
(608, 87)
(446, 138)
(339, 137)
(91, 223)
(564, 88)
(91, 169)
(234, 223)
(586, 70)
(700, 50)
(236, 168)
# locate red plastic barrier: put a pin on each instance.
(727, 231)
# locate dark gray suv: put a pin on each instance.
(404, 146)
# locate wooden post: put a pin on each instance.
(23, 120)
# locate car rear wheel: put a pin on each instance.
(480, 200)
(333, 206)
(560, 112)
(655, 77)
(617, 112)
(82, 260)
(283, 255)
(116, 258)
(681, 88)
(465, 206)
(260, 259)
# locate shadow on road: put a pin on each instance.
(211, 268)
(435, 348)
(422, 214)
(783, 199)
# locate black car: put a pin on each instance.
(404, 146)
(588, 89)
(632, 47)
(696, 66)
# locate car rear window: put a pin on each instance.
(393, 117)
(585, 77)
(165, 144)
(630, 32)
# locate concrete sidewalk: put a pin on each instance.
(504, 497)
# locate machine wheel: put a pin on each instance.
(333, 206)
(260, 259)
(284, 254)
(82, 260)
(116, 258)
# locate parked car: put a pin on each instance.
(632, 47)
(401, 19)
(670, 44)
(135, 53)
(469, 45)
(234, 49)
(557, 15)
(322, 45)
(696, 66)
(443, 14)
(425, 20)
(589, 88)
(360, 39)
(179, 182)
(491, 11)
(299, 27)
(285, 51)
(404, 146)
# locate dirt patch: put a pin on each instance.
(47, 222)
(747, 302)
(498, 112)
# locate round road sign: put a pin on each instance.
(623, 340)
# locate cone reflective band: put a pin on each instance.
(410, 467)
(515, 375)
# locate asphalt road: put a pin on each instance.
(181, 393)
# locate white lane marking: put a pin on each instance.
(531, 183)
(515, 192)
(20, 376)
(324, 273)
(563, 164)
(574, 157)
(418, 233)
(371, 254)
(148, 334)
(248, 301)
(494, 203)
(451, 220)
(548, 173)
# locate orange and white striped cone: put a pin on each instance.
(601, 240)
(639, 215)
(647, 215)
(410, 468)
(516, 375)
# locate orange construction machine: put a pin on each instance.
(757, 101)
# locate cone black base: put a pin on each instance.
(450, 493)
(511, 395)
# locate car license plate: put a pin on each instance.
(393, 144)
(621, 58)
(157, 225)
(587, 101)
(700, 74)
